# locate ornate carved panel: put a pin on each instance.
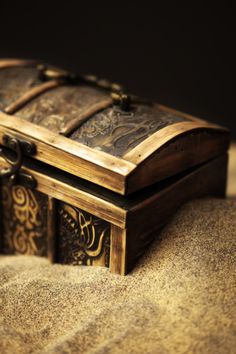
(83, 239)
(24, 221)
(56, 108)
(117, 132)
(15, 82)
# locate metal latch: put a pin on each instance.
(18, 148)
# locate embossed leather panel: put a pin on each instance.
(14, 82)
(83, 238)
(54, 109)
(117, 132)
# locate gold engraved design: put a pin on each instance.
(117, 132)
(83, 238)
(24, 221)
(54, 109)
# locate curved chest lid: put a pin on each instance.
(89, 128)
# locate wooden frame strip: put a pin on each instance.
(31, 94)
(74, 196)
(51, 228)
(71, 156)
(118, 250)
(150, 145)
(11, 63)
(75, 123)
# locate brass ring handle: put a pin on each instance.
(15, 164)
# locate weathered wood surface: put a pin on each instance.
(111, 182)
(134, 223)
(120, 150)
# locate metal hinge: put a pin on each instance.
(17, 148)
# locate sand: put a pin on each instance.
(181, 297)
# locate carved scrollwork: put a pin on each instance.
(24, 221)
(117, 132)
(54, 109)
(83, 238)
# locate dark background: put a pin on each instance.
(180, 56)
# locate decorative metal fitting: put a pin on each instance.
(117, 94)
(49, 73)
(18, 149)
(121, 99)
(15, 164)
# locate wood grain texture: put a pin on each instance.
(134, 225)
(161, 137)
(66, 107)
(12, 63)
(75, 158)
(76, 122)
(73, 195)
(51, 228)
(118, 174)
(29, 95)
(15, 82)
(155, 157)
(123, 151)
(118, 250)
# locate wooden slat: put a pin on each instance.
(29, 95)
(118, 250)
(51, 228)
(10, 63)
(75, 123)
(180, 154)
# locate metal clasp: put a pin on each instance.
(15, 163)
(20, 148)
(50, 73)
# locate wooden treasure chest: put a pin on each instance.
(89, 173)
